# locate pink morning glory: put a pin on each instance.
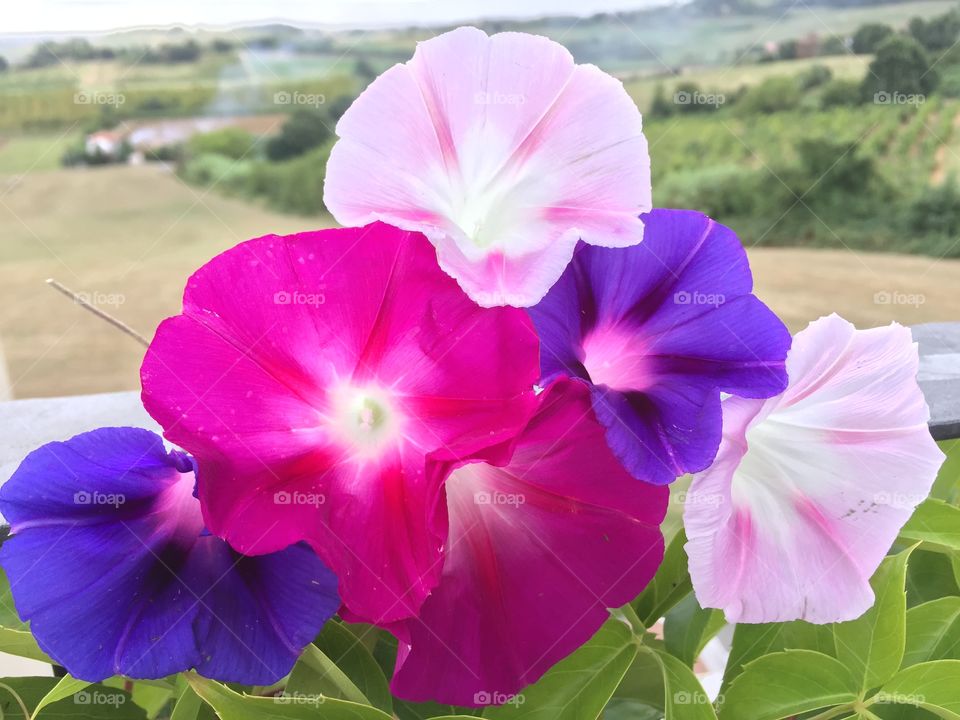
(310, 375)
(546, 533)
(810, 488)
(503, 152)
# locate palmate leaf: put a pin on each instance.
(784, 684)
(753, 641)
(872, 646)
(933, 686)
(933, 632)
(936, 524)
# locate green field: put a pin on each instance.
(32, 153)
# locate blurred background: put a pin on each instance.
(138, 139)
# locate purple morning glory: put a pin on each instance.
(658, 331)
(110, 564)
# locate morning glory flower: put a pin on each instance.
(110, 564)
(546, 533)
(811, 488)
(312, 374)
(658, 331)
(503, 152)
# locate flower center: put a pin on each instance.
(365, 418)
(615, 358)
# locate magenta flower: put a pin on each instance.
(546, 533)
(503, 152)
(658, 331)
(311, 374)
(811, 488)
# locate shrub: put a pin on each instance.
(230, 142)
(774, 94)
(868, 37)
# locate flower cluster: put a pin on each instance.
(469, 441)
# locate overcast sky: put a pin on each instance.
(92, 15)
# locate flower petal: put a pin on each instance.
(500, 150)
(811, 488)
(311, 375)
(660, 330)
(109, 538)
(545, 535)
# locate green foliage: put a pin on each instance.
(305, 130)
(788, 683)
(901, 66)
(815, 76)
(868, 37)
(775, 94)
(232, 142)
(937, 33)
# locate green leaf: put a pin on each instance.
(316, 674)
(627, 709)
(67, 687)
(947, 485)
(8, 613)
(643, 681)
(872, 645)
(934, 686)
(579, 686)
(788, 683)
(21, 644)
(669, 586)
(349, 653)
(753, 641)
(234, 706)
(683, 695)
(339, 665)
(93, 702)
(936, 524)
(688, 627)
(187, 706)
(933, 632)
(929, 577)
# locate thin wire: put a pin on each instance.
(119, 324)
